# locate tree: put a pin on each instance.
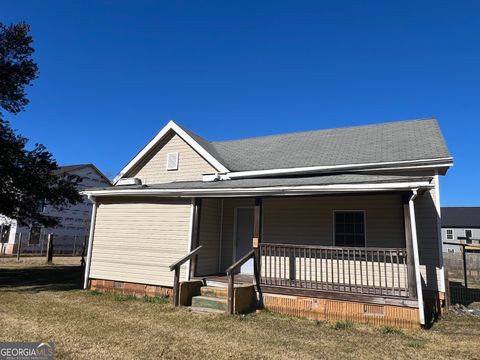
(28, 178)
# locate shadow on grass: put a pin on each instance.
(41, 278)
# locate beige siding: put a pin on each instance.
(136, 240)
(309, 220)
(153, 169)
(210, 217)
(427, 234)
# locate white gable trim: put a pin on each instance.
(187, 138)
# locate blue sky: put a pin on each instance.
(112, 73)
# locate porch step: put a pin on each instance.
(209, 302)
(213, 291)
(204, 310)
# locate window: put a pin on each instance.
(449, 234)
(349, 228)
(34, 236)
(172, 161)
(4, 233)
(468, 235)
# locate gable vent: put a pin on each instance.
(172, 161)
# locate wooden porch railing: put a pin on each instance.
(176, 266)
(366, 271)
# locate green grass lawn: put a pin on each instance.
(45, 303)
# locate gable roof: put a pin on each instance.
(199, 144)
(461, 217)
(69, 168)
(411, 141)
(388, 142)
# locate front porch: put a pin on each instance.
(293, 248)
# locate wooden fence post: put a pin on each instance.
(82, 260)
(19, 245)
(50, 248)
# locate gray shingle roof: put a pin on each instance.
(388, 142)
(275, 182)
(461, 217)
(397, 141)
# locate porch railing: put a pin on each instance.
(366, 271)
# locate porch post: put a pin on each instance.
(414, 276)
(412, 283)
(195, 241)
(257, 237)
(90, 241)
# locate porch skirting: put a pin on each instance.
(327, 309)
(128, 288)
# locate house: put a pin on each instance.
(73, 229)
(460, 224)
(328, 224)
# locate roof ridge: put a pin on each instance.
(325, 130)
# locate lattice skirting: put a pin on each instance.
(128, 288)
(325, 309)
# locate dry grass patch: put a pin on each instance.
(45, 303)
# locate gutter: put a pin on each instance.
(90, 240)
(416, 256)
(278, 190)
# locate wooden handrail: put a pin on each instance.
(240, 262)
(231, 280)
(187, 257)
(176, 266)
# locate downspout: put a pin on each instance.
(416, 256)
(90, 240)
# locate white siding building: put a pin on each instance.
(74, 226)
(460, 225)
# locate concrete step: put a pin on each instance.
(209, 302)
(213, 291)
(206, 310)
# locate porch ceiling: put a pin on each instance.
(284, 185)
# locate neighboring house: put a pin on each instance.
(460, 224)
(74, 225)
(343, 223)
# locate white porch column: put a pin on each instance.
(90, 241)
(439, 232)
(416, 257)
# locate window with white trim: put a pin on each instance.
(349, 228)
(449, 234)
(172, 161)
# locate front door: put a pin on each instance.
(244, 236)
